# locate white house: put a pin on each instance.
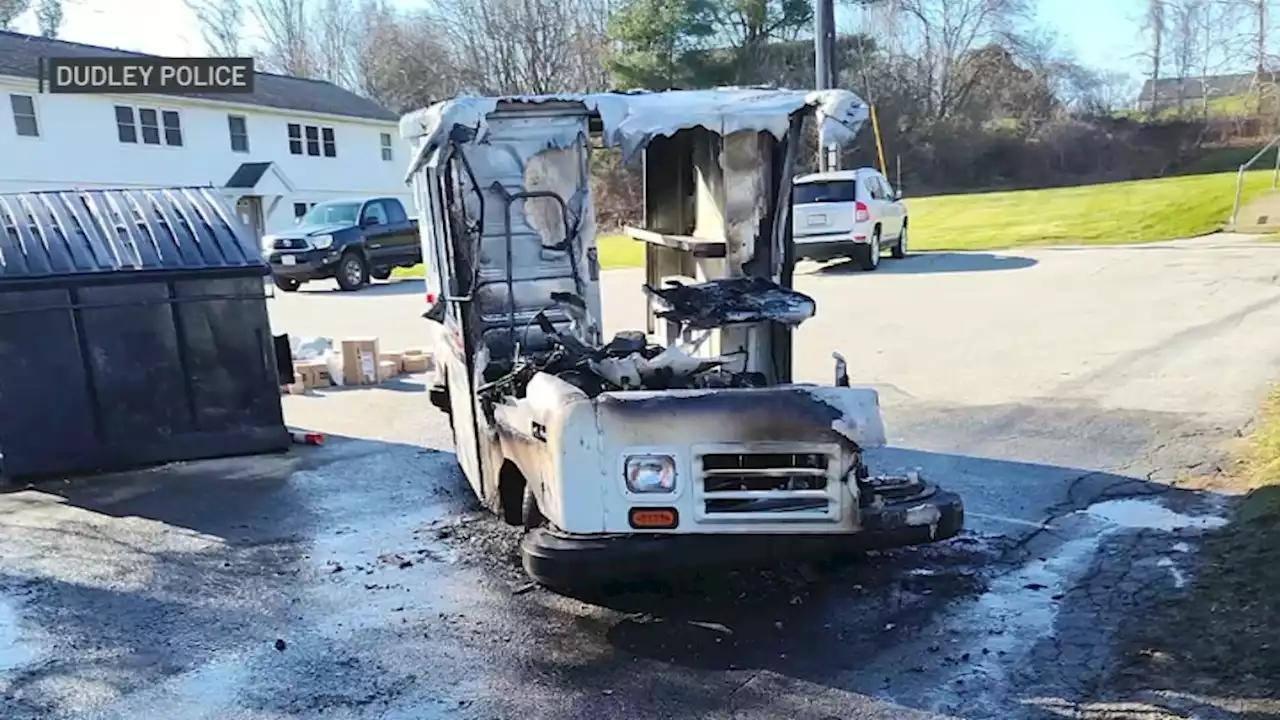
(290, 144)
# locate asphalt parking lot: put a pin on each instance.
(1063, 392)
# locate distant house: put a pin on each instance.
(1168, 92)
(292, 143)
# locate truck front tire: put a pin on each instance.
(530, 512)
(353, 272)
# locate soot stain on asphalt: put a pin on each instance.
(808, 618)
(801, 616)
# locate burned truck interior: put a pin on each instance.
(716, 237)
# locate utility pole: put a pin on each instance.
(824, 65)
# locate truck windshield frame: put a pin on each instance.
(328, 213)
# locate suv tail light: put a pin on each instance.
(431, 298)
(860, 213)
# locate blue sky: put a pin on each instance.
(1103, 33)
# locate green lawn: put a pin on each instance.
(1129, 212)
(615, 251)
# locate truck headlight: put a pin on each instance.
(322, 242)
(651, 473)
(268, 243)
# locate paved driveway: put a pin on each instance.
(1060, 390)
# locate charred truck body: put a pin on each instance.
(627, 455)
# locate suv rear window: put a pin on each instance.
(824, 192)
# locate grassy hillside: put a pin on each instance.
(1129, 212)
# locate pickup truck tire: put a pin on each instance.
(353, 272)
(867, 257)
(380, 274)
(287, 284)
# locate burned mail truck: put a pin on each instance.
(686, 442)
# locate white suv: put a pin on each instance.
(847, 213)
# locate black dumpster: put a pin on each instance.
(133, 331)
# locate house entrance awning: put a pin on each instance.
(261, 178)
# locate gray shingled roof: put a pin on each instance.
(1195, 88)
(20, 54)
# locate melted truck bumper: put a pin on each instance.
(562, 560)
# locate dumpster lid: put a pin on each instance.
(62, 233)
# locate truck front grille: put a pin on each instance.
(768, 486)
(290, 244)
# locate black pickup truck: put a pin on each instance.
(347, 240)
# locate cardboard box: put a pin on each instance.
(387, 370)
(312, 373)
(394, 357)
(360, 361)
(416, 363)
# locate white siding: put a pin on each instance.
(79, 146)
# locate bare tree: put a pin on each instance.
(286, 36)
(11, 10)
(221, 25)
(335, 42)
(1184, 19)
(1110, 92)
(49, 17)
(402, 60)
(942, 36)
(1222, 30)
(531, 46)
(1154, 23)
(1260, 14)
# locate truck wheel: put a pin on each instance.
(353, 272)
(380, 274)
(868, 256)
(530, 512)
(287, 284)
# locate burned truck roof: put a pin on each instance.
(631, 120)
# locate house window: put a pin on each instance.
(24, 115)
(239, 129)
(318, 140)
(313, 140)
(125, 127)
(150, 123)
(156, 126)
(172, 128)
(299, 209)
(386, 147)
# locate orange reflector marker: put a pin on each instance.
(653, 518)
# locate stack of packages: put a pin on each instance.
(359, 362)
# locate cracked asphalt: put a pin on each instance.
(1062, 391)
